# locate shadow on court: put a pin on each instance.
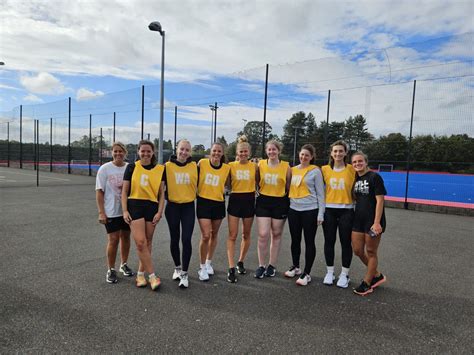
(54, 295)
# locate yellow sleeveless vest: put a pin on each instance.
(242, 176)
(272, 180)
(298, 187)
(339, 184)
(181, 182)
(145, 184)
(212, 181)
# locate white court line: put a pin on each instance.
(41, 176)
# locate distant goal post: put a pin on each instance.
(387, 168)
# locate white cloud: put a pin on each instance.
(84, 94)
(43, 83)
(32, 98)
(8, 87)
(72, 38)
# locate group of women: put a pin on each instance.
(131, 197)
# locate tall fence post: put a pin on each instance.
(409, 145)
(100, 148)
(215, 121)
(175, 126)
(113, 139)
(265, 112)
(90, 145)
(326, 131)
(51, 144)
(8, 144)
(34, 145)
(37, 152)
(69, 139)
(21, 136)
(143, 111)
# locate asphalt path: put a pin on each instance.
(54, 297)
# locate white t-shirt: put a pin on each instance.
(110, 180)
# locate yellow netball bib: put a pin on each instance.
(339, 184)
(242, 176)
(181, 182)
(298, 187)
(145, 184)
(212, 181)
(272, 179)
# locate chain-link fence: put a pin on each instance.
(368, 98)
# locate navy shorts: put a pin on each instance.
(210, 209)
(142, 209)
(241, 205)
(116, 224)
(273, 207)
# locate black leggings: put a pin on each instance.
(183, 213)
(334, 218)
(306, 221)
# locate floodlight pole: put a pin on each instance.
(156, 26)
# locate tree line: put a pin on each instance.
(452, 153)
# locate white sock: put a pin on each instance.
(112, 268)
(151, 276)
(330, 269)
(140, 273)
(345, 271)
(177, 268)
(203, 266)
(208, 262)
(122, 264)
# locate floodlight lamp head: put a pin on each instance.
(156, 26)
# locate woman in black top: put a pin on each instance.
(369, 221)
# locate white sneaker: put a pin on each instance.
(293, 271)
(210, 269)
(329, 278)
(343, 281)
(303, 280)
(203, 275)
(177, 273)
(183, 282)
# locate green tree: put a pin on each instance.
(390, 149)
(83, 142)
(294, 126)
(356, 133)
(253, 131)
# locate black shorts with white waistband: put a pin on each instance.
(273, 207)
(241, 205)
(210, 209)
(142, 209)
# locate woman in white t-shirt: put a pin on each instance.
(108, 189)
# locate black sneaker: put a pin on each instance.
(259, 273)
(111, 276)
(231, 276)
(126, 271)
(240, 268)
(271, 271)
(363, 289)
(377, 281)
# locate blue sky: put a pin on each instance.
(100, 53)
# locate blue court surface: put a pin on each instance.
(431, 186)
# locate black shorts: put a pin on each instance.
(210, 209)
(142, 209)
(363, 221)
(241, 205)
(273, 207)
(116, 224)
